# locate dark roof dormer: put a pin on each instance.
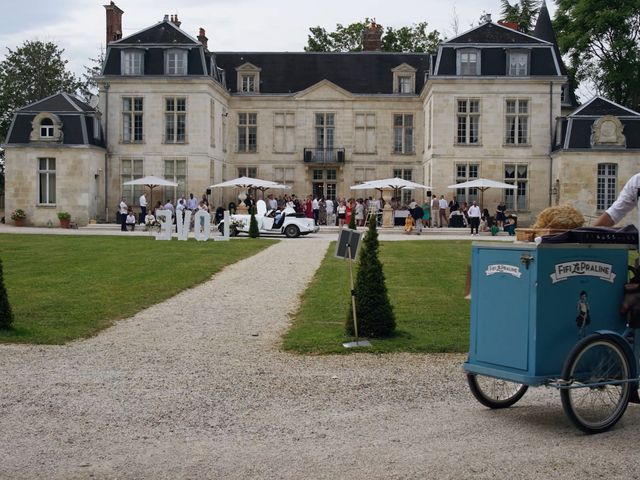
(599, 106)
(59, 119)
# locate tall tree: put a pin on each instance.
(33, 71)
(601, 39)
(414, 38)
(522, 12)
(89, 87)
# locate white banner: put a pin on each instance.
(582, 268)
(502, 268)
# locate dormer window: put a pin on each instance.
(132, 62)
(404, 79)
(468, 62)
(176, 62)
(248, 78)
(46, 128)
(518, 64)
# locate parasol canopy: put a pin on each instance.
(248, 182)
(151, 182)
(483, 184)
(390, 184)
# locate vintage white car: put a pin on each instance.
(288, 224)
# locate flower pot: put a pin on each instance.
(65, 222)
(19, 222)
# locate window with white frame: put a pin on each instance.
(464, 173)
(132, 62)
(175, 119)
(175, 62)
(365, 133)
(284, 175)
(251, 172)
(175, 169)
(132, 119)
(248, 82)
(405, 84)
(405, 174)
(325, 130)
(225, 114)
(468, 122)
(131, 169)
(247, 132)
(518, 63)
(248, 78)
(606, 187)
(430, 129)
(404, 79)
(403, 133)
(468, 62)
(46, 128)
(517, 122)
(47, 181)
(364, 174)
(284, 133)
(212, 121)
(517, 174)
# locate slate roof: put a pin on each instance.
(76, 116)
(164, 32)
(494, 33)
(358, 72)
(600, 106)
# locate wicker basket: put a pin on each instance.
(529, 234)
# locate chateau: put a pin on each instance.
(492, 103)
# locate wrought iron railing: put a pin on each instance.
(324, 155)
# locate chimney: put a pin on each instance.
(114, 22)
(175, 21)
(202, 38)
(511, 25)
(372, 37)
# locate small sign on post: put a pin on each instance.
(347, 247)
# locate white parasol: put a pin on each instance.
(151, 182)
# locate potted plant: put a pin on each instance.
(18, 216)
(65, 219)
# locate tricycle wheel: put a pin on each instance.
(590, 405)
(494, 392)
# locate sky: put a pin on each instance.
(78, 26)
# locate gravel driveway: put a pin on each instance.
(195, 387)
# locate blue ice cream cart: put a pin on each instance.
(549, 314)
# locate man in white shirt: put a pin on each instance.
(442, 211)
(626, 201)
(143, 208)
(435, 211)
(315, 206)
(474, 217)
(192, 203)
(331, 220)
(123, 215)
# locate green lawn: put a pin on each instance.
(426, 284)
(67, 287)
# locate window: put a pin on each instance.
(365, 133)
(284, 175)
(46, 128)
(464, 173)
(212, 121)
(251, 172)
(248, 132)
(325, 124)
(403, 133)
(468, 62)
(248, 83)
(468, 122)
(175, 119)
(405, 174)
(430, 129)
(518, 175)
(175, 169)
(132, 62)
(132, 121)
(284, 132)
(404, 79)
(130, 169)
(46, 181)
(324, 183)
(606, 188)
(175, 62)
(405, 84)
(364, 174)
(517, 122)
(225, 114)
(518, 64)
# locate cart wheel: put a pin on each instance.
(596, 408)
(495, 393)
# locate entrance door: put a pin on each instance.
(325, 182)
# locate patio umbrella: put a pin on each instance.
(389, 183)
(248, 182)
(483, 184)
(151, 182)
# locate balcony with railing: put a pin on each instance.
(324, 155)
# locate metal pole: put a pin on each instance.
(353, 294)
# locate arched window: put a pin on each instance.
(46, 128)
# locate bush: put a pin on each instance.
(352, 220)
(373, 308)
(6, 315)
(64, 215)
(18, 214)
(253, 226)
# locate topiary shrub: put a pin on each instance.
(254, 232)
(6, 315)
(352, 220)
(373, 309)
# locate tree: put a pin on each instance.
(523, 13)
(373, 308)
(32, 72)
(601, 39)
(348, 38)
(6, 315)
(352, 220)
(89, 86)
(254, 231)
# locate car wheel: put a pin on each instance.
(291, 231)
